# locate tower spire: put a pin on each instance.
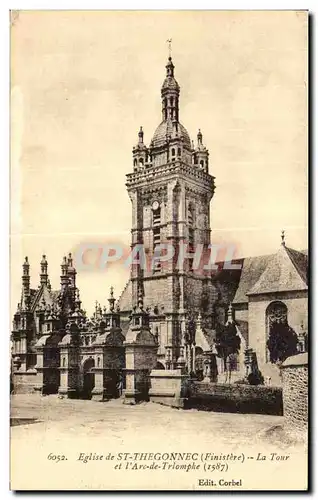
(25, 284)
(64, 276)
(140, 136)
(170, 92)
(43, 274)
(169, 42)
(111, 299)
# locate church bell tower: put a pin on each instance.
(170, 189)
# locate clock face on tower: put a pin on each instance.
(155, 205)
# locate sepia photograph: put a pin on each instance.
(159, 250)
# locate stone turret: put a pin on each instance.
(141, 355)
(44, 274)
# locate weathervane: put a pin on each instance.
(169, 42)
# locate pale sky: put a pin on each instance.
(84, 82)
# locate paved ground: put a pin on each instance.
(44, 425)
(89, 417)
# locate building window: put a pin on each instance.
(179, 152)
(173, 154)
(156, 236)
(276, 313)
(156, 217)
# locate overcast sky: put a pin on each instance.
(84, 82)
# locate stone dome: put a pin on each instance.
(170, 83)
(165, 129)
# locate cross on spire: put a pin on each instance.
(169, 42)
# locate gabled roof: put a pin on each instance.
(50, 296)
(300, 261)
(286, 271)
(125, 299)
(252, 269)
(203, 338)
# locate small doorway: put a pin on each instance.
(88, 378)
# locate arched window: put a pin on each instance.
(276, 314)
(135, 162)
(63, 362)
(141, 161)
(179, 152)
(165, 108)
(201, 163)
(173, 153)
(98, 361)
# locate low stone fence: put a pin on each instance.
(295, 394)
(235, 398)
(25, 382)
(168, 387)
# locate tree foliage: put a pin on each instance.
(282, 342)
(228, 341)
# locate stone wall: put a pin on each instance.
(157, 292)
(297, 304)
(26, 382)
(295, 394)
(235, 398)
(168, 387)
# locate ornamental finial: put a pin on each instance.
(169, 42)
(111, 299)
(283, 238)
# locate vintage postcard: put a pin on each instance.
(159, 247)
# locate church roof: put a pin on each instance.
(281, 272)
(300, 261)
(165, 129)
(50, 296)
(286, 272)
(125, 299)
(252, 269)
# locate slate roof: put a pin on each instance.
(285, 272)
(50, 296)
(252, 269)
(125, 299)
(300, 261)
(166, 129)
